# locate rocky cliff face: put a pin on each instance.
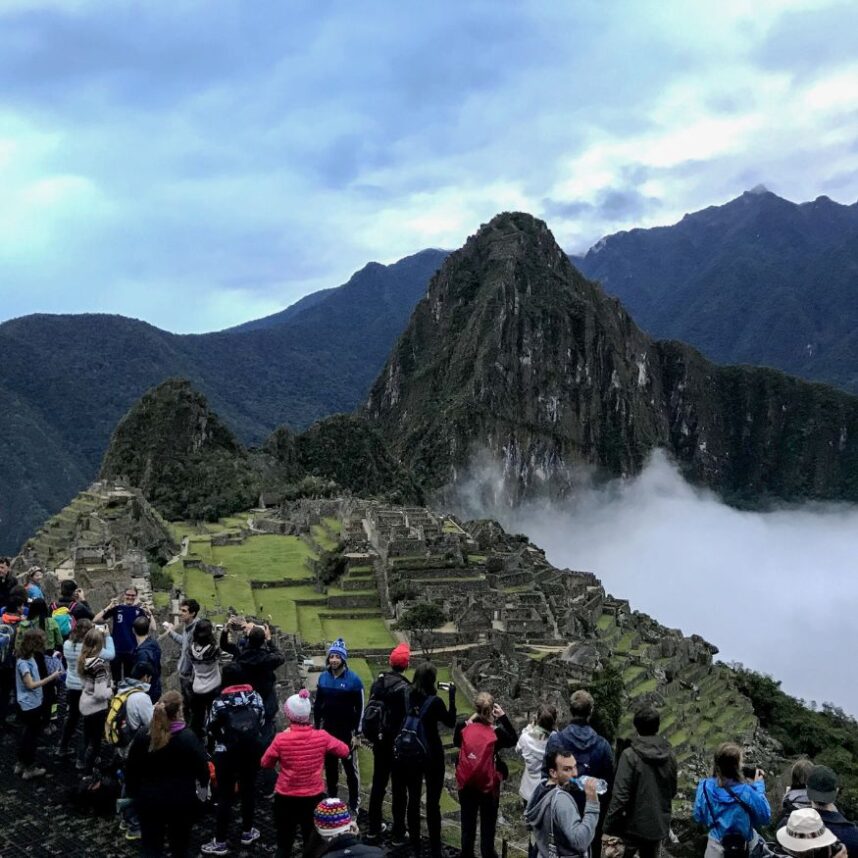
(513, 352)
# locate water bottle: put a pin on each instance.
(601, 786)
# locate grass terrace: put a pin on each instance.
(266, 557)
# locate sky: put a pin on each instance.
(198, 164)
(775, 591)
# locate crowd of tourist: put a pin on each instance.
(94, 680)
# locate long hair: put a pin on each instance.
(728, 762)
(546, 717)
(78, 633)
(424, 678)
(38, 614)
(32, 641)
(167, 710)
(93, 644)
(483, 705)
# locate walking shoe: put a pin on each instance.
(32, 772)
(133, 833)
(375, 836)
(248, 837)
(19, 768)
(214, 847)
(123, 825)
(398, 840)
(63, 753)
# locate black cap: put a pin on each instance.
(822, 785)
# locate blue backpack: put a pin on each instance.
(410, 744)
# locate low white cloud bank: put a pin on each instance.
(777, 591)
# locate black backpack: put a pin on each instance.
(241, 727)
(410, 744)
(377, 716)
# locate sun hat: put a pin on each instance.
(298, 707)
(804, 831)
(822, 785)
(400, 656)
(338, 647)
(332, 817)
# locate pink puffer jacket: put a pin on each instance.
(301, 750)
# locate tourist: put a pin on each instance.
(593, 755)
(339, 709)
(728, 805)
(644, 787)
(72, 598)
(30, 691)
(805, 834)
(37, 618)
(8, 580)
(189, 609)
(795, 797)
(823, 786)
(35, 576)
(122, 617)
(479, 772)
(531, 747)
(74, 683)
(423, 698)
(204, 654)
(559, 830)
(389, 690)
(165, 766)
(148, 650)
(235, 729)
(300, 752)
(337, 832)
(11, 618)
(94, 670)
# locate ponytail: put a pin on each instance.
(167, 710)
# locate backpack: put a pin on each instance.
(7, 644)
(116, 729)
(377, 716)
(240, 727)
(410, 744)
(63, 617)
(476, 767)
(95, 796)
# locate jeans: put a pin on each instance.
(72, 717)
(93, 733)
(471, 803)
(235, 769)
(121, 665)
(433, 773)
(384, 770)
(350, 767)
(290, 813)
(31, 721)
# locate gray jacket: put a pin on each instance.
(139, 708)
(552, 811)
(185, 668)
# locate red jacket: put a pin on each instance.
(301, 750)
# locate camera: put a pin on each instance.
(445, 686)
(749, 772)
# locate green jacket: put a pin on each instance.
(53, 636)
(643, 789)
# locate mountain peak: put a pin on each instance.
(758, 189)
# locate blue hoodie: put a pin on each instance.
(593, 754)
(722, 812)
(339, 704)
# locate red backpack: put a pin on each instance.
(476, 767)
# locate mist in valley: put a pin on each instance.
(777, 591)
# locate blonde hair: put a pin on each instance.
(483, 705)
(93, 644)
(167, 710)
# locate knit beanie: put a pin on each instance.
(298, 707)
(400, 656)
(338, 647)
(332, 817)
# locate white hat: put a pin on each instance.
(804, 831)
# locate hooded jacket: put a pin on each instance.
(150, 652)
(230, 701)
(139, 707)
(720, 812)
(531, 748)
(97, 687)
(339, 703)
(258, 665)
(300, 750)
(552, 810)
(205, 661)
(644, 786)
(71, 651)
(592, 753)
(184, 668)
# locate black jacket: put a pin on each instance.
(258, 666)
(436, 714)
(391, 688)
(644, 786)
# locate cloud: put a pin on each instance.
(776, 591)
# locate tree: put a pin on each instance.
(420, 619)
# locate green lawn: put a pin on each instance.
(310, 626)
(200, 585)
(363, 670)
(278, 604)
(236, 592)
(266, 557)
(322, 538)
(363, 633)
(333, 524)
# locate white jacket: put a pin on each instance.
(531, 747)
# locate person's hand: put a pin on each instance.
(355, 741)
(168, 627)
(497, 711)
(759, 775)
(55, 675)
(267, 632)
(838, 850)
(590, 789)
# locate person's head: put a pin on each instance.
(5, 566)
(424, 678)
(805, 833)
(188, 610)
(298, 708)
(15, 604)
(332, 818)
(561, 767)
(822, 785)
(338, 655)
(38, 612)
(799, 773)
(35, 575)
(233, 674)
(142, 671)
(728, 761)
(647, 721)
(93, 644)
(581, 705)
(167, 711)
(203, 633)
(546, 717)
(399, 658)
(484, 705)
(256, 637)
(68, 589)
(130, 595)
(78, 633)
(32, 641)
(141, 627)
(19, 593)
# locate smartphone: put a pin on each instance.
(749, 772)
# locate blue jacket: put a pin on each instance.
(339, 704)
(150, 651)
(723, 813)
(592, 752)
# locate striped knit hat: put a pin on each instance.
(298, 708)
(332, 817)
